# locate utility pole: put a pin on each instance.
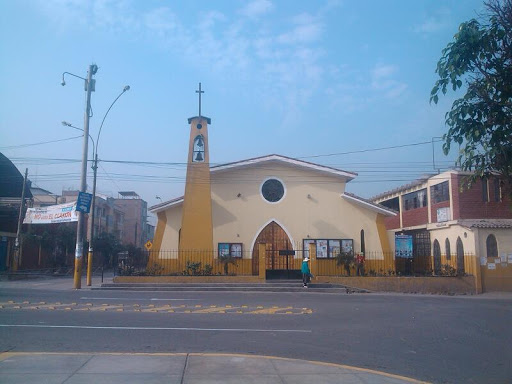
(79, 250)
(91, 223)
(17, 244)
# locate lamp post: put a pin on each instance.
(95, 169)
(89, 86)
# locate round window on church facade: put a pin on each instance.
(272, 190)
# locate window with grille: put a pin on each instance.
(440, 192)
(415, 200)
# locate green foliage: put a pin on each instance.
(108, 245)
(480, 122)
(381, 273)
(345, 258)
(447, 270)
(226, 260)
(56, 240)
(208, 270)
(192, 268)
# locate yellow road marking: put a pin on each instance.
(212, 310)
(152, 308)
(268, 311)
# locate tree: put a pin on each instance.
(481, 121)
(108, 245)
(226, 260)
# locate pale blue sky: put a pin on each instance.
(297, 78)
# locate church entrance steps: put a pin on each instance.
(274, 286)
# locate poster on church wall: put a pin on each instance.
(347, 246)
(334, 248)
(321, 249)
(223, 249)
(306, 243)
(62, 213)
(236, 250)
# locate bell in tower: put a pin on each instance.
(198, 155)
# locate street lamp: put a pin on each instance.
(65, 123)
(95, 168)
(89, 85)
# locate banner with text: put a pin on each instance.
(62, 213)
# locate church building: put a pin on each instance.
(282, 202)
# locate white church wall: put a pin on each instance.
(170, 241)
(311, 207)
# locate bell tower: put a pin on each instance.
(196, 224)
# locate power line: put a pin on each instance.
(40, 143)
(371, 150)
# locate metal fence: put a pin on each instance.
(246, 263)
(184, 263)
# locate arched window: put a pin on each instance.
(447, 249)
(437, 257)
(492, 246)
(363, 246)
(460, 257)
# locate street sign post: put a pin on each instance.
(83, 203)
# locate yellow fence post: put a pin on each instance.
(313, 266)
(261, 254)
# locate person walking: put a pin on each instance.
(360, 264)
(306, 273)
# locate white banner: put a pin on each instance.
(62, 213)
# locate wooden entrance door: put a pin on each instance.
(276, 240)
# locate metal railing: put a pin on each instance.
(210, 263)
(185, 263)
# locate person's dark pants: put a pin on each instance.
(305, 279)
(360, 270)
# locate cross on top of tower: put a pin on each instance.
(199, 91)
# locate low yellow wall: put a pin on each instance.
(499, 279)
(435, 285)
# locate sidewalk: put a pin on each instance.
(177, 368)
(53, 283)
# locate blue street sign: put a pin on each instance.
(83, 203)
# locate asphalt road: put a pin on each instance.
(456, 339)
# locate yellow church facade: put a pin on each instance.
(287, 205)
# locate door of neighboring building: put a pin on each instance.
(421, 261)
(280, 262)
